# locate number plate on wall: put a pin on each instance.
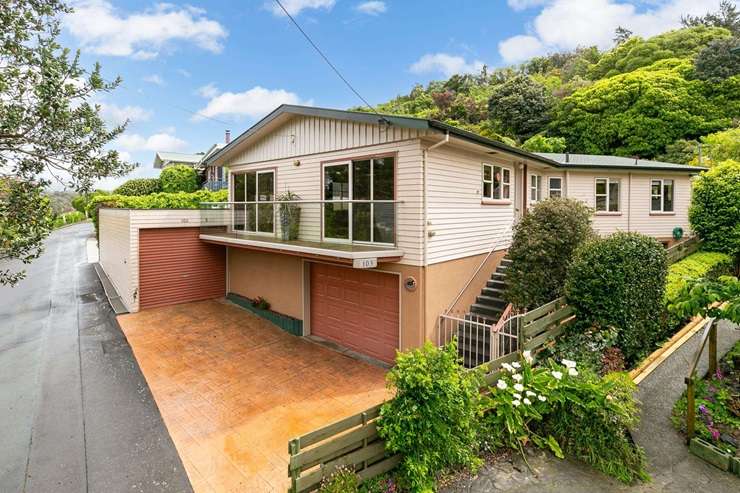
(365, 263)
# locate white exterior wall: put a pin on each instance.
(305, 180)
(634, 202)
(303, 135)
(461, 224)
(115, 251)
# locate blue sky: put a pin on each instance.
(233, 61)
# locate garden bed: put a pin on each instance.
(717, 402)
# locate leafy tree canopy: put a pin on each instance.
(541, 143)
(48, 126)
(726, 17)
(719, 60)
(520, 106)
(721, 146)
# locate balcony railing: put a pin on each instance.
(350, 226)
(216, 185)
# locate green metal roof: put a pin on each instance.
(555, 160)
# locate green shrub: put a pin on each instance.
(700, 264)
(82, 201)
(542, 249)
(433, 419)
(591, 422)
(541, 143)
(715, 208)
(619, 281)
(68, 218)
(178, 178)
(162, 200)
(139, 186)
(343, 480)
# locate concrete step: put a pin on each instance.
(491, 301)
(497, 292)
(486, 311)
(496, 284)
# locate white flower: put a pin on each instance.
(516, 364)
(501, 384)
(517, 396)
(558, 375)
(516, 403)
(527, 401)
(527, 356)
(518, 387)
(530, 393)
(517, 377)
(507, 367)
(572, 372)
(542, 398)
(568, 363)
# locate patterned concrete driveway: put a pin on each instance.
(233, 389)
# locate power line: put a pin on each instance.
(326, 59)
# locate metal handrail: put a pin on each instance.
(504, 317)
(302, 201)
(470, 280)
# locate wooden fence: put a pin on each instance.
(683, 249)
(354, 441)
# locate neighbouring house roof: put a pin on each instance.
(162, 159)
(595, 161)
(284, 112)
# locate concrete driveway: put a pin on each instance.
(233, 389)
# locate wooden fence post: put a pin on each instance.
(294, 447)
(690, 409)
(713, 350)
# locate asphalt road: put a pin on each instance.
(76, 414)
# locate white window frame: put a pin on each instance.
(535, 188)
(256, 173)
(608, 181)
(661, 195)
(551, 189)
(504, 183)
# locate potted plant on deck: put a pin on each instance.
(290, 216)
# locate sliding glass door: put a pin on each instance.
(252, 188)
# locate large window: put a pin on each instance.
(252, 188)
(535, 188)
(661, 195)
(360, 181)
(496, 182)
(607, 195)
(555, 187)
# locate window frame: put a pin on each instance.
(350, 176)
(256, 204)
(535, 185)
(550, 187)
(663, 196)
(607, 195)
(504, 184)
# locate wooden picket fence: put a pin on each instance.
(354, 441)
(683, 249)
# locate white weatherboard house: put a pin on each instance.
(398, 220)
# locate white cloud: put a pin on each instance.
(294, 7)
(157, 142)
(208, 91)
(520, 47)
(372, 7)
(525, 4)
(252, 103)
(117, 115)
(446, 64)
(102, 29)
(154, 79)
(568, 24)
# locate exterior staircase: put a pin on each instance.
(474, 338)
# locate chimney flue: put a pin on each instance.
(227, 136)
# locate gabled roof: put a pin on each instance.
(592, 161)
(162, 158)
(284, 112)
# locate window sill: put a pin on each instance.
(608, 213)
(658, 213)
(495, 202)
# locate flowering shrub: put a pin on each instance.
(433, 419)
(343, 480)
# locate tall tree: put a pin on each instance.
(727, 16)
(621, 34)
(521, 106)
(49, 127)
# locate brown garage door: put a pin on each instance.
(356, 308)
(175, 266)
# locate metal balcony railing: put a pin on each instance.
(216, 185)
(348, 222)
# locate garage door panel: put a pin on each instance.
(355, 308)
(175, 266)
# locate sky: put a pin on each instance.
(192, 70)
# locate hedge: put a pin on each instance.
(162, 200)
(178, 178)
(700, 264)
(139, 186)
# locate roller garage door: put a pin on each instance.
(175, 266)
(356, 308)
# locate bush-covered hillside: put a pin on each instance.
(655, 98)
